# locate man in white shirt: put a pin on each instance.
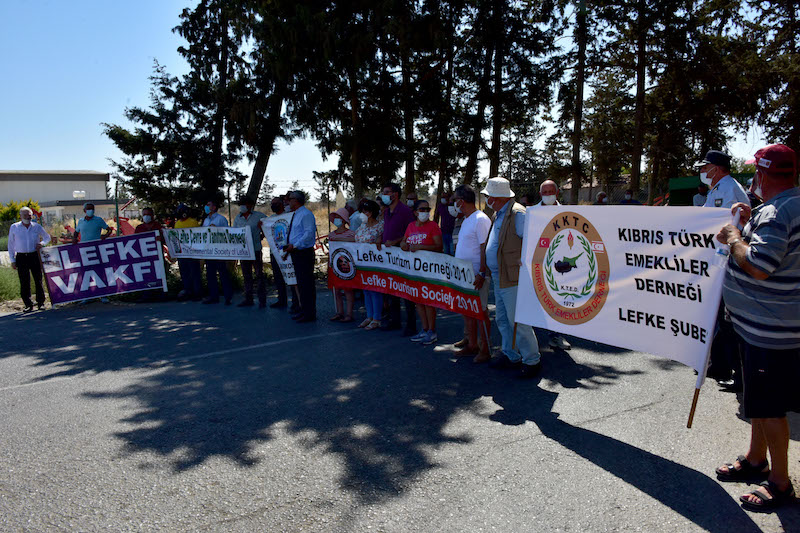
(24, 240)
(715, 172)
(248, 218)
(217, 266)
(473, 234)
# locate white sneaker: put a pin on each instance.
(430, 337)
(557, 341)
(419, 337)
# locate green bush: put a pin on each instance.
(4, 243)
(10, 211)
(9, 284)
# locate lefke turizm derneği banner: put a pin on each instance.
(210, 242)
(637, 277)
(427, 278)
(102, 268)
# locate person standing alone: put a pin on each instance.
(24, 240)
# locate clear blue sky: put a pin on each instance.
(69, 66)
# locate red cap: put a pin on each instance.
(777, 159)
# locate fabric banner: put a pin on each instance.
(427, 278)
(210, 242)
(101, 268)
(638, 277)
(276, 229)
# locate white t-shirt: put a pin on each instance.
(473, 233)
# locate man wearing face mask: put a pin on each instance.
(149, 223)
(601, 199)
(191, 275)
(248, 218)
(90, 227)
(24, 240)
(715, 172)
(501, 255)
(216, 267)
(629, 199)
(725, 365)
(396, 218)
(411, 199)
(445, 215)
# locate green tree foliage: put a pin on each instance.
(10, 211)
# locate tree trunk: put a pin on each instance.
(267, 144)
(638, 134)
(478, 119)
(444, 123)
(408, 121)
(497, 97)
(578, 115)
(217, 179)
(355, 152)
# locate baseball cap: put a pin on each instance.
(777, 159)
(714, 157)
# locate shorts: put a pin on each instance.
(770, 379)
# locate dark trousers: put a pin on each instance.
(280, 284)
(248, 267)
(303, 260)
(213, 267)
(395, 313)
(190, 276)
(27, 265)
(726, 358)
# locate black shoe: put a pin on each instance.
(392, 326)
(27, 308)
(307, 319)
(39, 306)
(277, 305)
(210, 301)
(530, 371)
(502, 361)
(246, 303)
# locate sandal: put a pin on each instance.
(365, 323)
(375, 324)
(747, 471)
(347, 318)
(776, 498)
(336, 318)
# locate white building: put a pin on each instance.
(60, 193)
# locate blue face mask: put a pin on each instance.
(208, 210)
(90, 213)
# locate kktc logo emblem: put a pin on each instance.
(570, 269)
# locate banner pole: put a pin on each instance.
(694, 406)
(514, 342)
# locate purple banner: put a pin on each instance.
(101, 268)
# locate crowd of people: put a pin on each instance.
(756, 347)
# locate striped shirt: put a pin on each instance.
(766, 313)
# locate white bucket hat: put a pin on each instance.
(498, 188)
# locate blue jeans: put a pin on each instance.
(373, 301)
(505, 310)
(447, 243)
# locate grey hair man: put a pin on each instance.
(24, 240)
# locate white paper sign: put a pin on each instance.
(276, 229)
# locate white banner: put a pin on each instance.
(638, 277)
(211, 242)
(276, 229)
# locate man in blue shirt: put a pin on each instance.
(217, 266)
(302, 234)
(90, 227)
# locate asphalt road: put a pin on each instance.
(185, 417)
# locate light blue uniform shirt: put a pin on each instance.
(91, 229)
(304, 228)
(493, 242)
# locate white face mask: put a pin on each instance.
(243, 209)
(338, 222)
(386, 199)
(410, 203)
(287, 208)
(705, 179)
(147, 219)
(423, 216)
(26, 221)
(453, 211)
(443, 201)
(549, 199)
(490, 204)
(627, 196)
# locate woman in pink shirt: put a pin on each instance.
(341, 219)
(424, 234)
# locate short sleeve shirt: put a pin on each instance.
(347, 235)
(423, 234)
(725, 193)
(395, 224)
(474, 232)
(251, 222)
(370, 234)
(91, 229)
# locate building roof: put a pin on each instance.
(53, 175)
(81, 201)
